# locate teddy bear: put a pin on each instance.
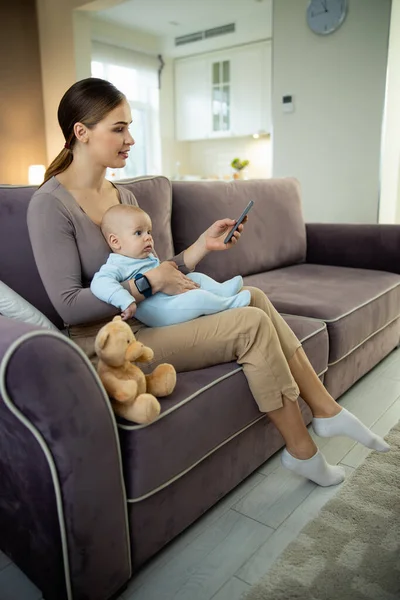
(133, 394)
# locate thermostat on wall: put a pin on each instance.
(287, 103)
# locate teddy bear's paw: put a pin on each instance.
(145, 409)
(146, 355)
(162, 381)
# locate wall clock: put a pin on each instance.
(325, 16)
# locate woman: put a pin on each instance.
(63, 219)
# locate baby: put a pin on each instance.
(127, 230)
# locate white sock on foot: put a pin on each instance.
(345, 423)
(315, 468)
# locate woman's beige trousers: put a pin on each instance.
(257, 337)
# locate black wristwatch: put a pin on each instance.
(143, 285)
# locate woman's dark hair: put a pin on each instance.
(87, 101)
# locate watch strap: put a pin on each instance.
(145, 290)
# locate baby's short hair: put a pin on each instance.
(111, 221)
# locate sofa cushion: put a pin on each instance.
(344, 373)
(154, 195)
(354, 303)
(274, 236)
(207, 409)
(17, 264)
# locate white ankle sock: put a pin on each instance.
(315, 468)
(345, 423)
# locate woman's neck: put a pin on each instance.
(82, 176)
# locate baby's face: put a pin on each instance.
(135, 239)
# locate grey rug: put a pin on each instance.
(351, 550)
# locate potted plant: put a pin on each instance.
(239, 166)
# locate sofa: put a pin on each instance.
(86, 499)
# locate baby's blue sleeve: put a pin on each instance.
(107, 287)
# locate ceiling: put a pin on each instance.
(180, 17)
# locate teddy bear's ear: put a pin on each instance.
(102, 338)
(117, 318)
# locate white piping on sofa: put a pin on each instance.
(313, 333)
(182, 402)
(363, 342)
(46, 450)
(193, 465)
(361, 305)
(327, 321)
(209, 453)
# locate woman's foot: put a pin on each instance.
(344, 423)
(315, 468)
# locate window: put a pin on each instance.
(221, 92)
(136, 75)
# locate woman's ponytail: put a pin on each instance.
(59, 164)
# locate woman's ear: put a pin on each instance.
(81, 132)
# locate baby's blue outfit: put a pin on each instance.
(161, 309)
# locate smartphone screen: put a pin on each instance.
(238, 222)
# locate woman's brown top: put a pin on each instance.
(69, 249)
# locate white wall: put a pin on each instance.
(332, 140)
(56, 35)
(172, 151)
(82, 26)
(390, 175)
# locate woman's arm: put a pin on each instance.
(168, 277)
(211, 240)
(56, 254)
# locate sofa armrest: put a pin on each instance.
(374, 247)
(63, 516)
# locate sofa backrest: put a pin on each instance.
(154, 195)
(17, 264)
(275, 235)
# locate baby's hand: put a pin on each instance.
(129, 312)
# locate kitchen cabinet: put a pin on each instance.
(192, 99)
(224, 93)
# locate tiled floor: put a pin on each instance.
(236, 542)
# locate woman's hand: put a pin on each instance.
(212, 239)
(168, 279)
(214, 236)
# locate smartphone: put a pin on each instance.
(238, 222)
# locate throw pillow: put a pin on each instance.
(12, 305)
